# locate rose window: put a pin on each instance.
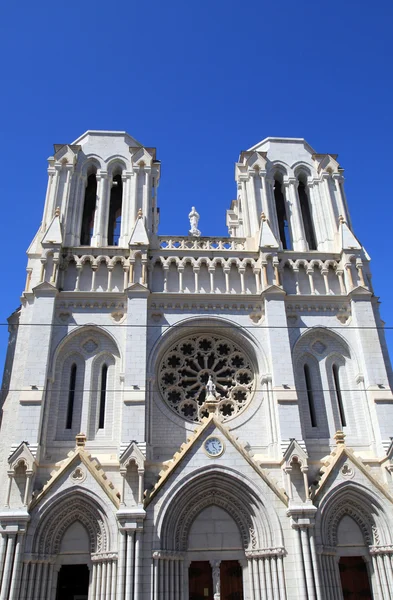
(185, 370)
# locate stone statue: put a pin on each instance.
(216, 578)
(211, 387)
(194, 219)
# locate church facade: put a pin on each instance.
(190, 417)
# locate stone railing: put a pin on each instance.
(220, 244)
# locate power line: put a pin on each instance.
(137, 391)
(196, 326)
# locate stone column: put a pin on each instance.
(138, 566)
(296, 220)
(126, 228)
(17, 569)
(100, 230)
(121, 568)
(129, 566)
(8, 564)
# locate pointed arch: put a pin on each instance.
(257, 523)
(60, 513)
(353, 500)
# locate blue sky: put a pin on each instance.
(200, 81)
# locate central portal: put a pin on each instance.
(201, 584)
(73, 582)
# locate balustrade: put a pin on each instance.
(225, 274)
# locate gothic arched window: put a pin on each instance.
(306, 215)
(283, 224)
(337, 389)
(71, 397)
(115, 206)
(89, 209)
(310, 395)
(104, 377)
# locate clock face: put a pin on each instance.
(214, 446)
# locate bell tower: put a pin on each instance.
(101, 183)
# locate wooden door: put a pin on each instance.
(231, 580)
(354, 578)
(200, 581)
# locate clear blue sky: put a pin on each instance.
(200, 81)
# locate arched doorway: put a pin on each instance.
(70, 547)
(216, 556)
(354, 533)
(218, 540)
(73, 564)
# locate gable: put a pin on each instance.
(81, 469)
(342, 465)
(193, 455)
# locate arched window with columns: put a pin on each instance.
(281, 211)
(89, 209)
(329, 397)
(305, 208)
(115, 210)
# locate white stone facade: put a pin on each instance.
(117, 459)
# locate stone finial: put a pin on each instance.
(57, 211)
(340, 438)
(194, 220)
(140, 213)
(80, 440)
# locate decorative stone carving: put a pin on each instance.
(74, 509)
(90, 346)
(347, 472)
(189, 363)
(79, 475)
(117, 316)
(319, 347)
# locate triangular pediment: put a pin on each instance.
(137, 288)
(347, 238)
(142, 157)
(295, 451)
(139, 235)
(273, 289)
(132, 454)
(69, 469)
(266, 236)
(53, 234)
(22, 454)
(343, 463)
(253, 159)
(360, 290)
(195, 444)
(45, 289)
(66, 153)
(326, 162)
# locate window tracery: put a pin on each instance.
(185, 370)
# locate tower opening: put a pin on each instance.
(115, 206)
(89, 209)
(283, 224)
(306, 215)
